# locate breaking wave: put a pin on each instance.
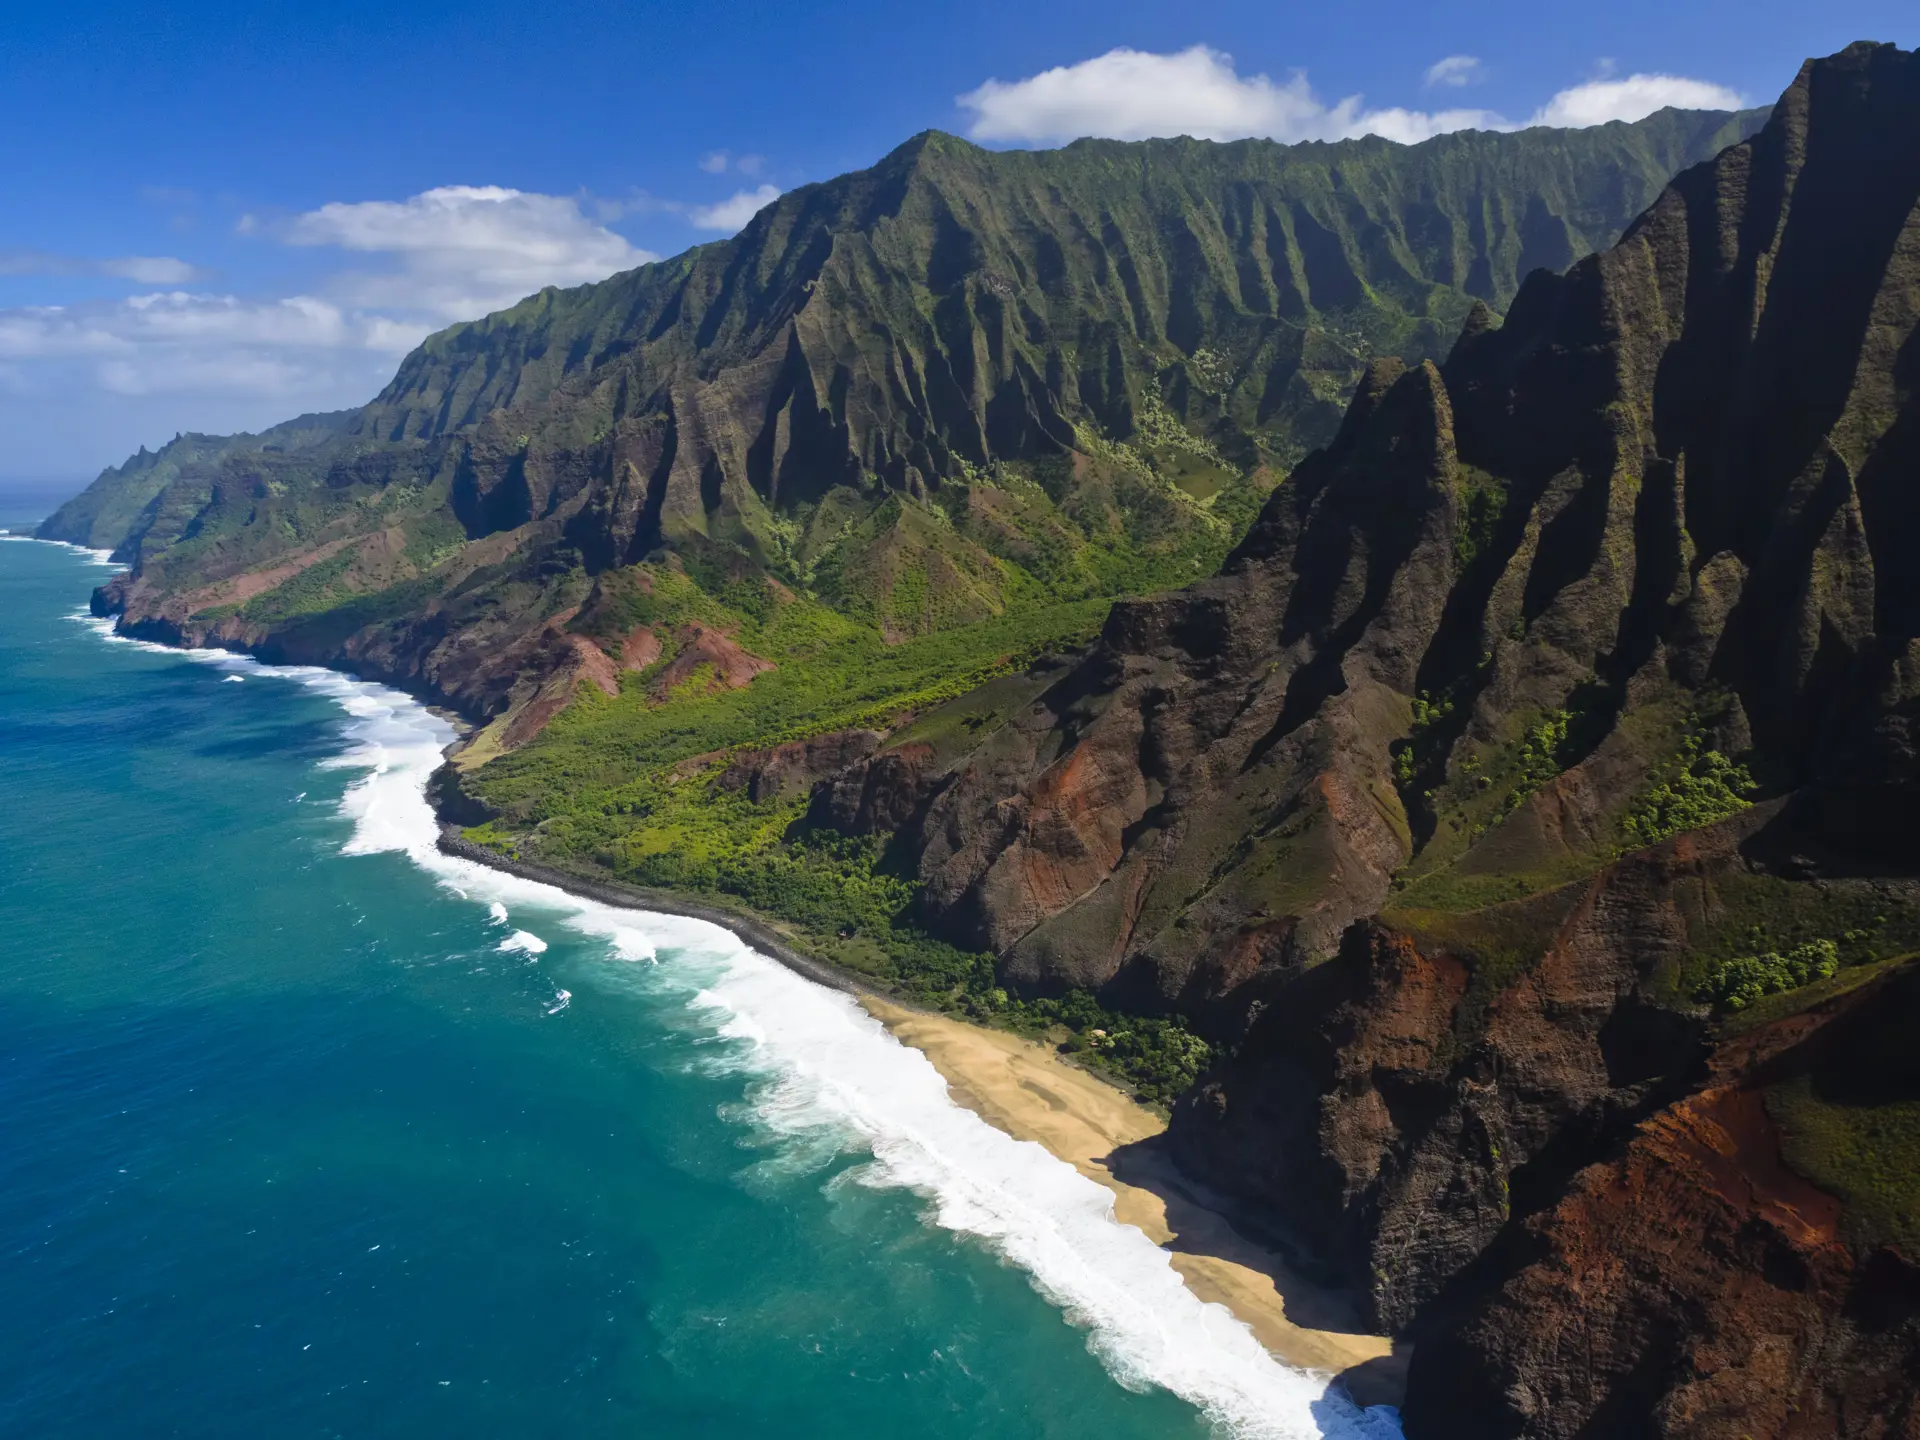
(829, 1079)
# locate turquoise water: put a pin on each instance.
(309, 1131)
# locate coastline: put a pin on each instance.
(633, 897)
(803, 1073)
(1030, 1093)
(1027, 1091)
(1156, 1241)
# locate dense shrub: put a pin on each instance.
(1737, 983)
(1707, 787)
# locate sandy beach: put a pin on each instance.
(1027, 1090)
(1030, 1092)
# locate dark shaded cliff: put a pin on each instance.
(1570, 689)
(933, 393)
(1697, 1282)
(1554, 712)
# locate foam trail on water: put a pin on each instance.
(830, 1078)
(526, 941)
(496, 912)
(98, 557)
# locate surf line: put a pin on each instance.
(832, 1074)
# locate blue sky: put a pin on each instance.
(224, 214)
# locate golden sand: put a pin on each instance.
(1029, 1091)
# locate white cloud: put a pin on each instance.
(1634, 98)
(1410, 127)
(177, 356)
(1133, 94)
(141, 269)
(1454, 70)
(152, 270)
(209, 374)
(735, 211)
(181, 319)
(453, 253)
(465, 250)
(715, 162)
(177, 342)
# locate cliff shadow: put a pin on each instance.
(1316, 1326)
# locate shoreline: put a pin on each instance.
(831, 1071)
(1029, 1092)
(748, 928)
(1026, 1090)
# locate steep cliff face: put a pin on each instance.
(1462, 638)
(1439, 801)
(1698, 1284)
(931, 394)
(1211, 793)
(1399, 1103)
(120, 508)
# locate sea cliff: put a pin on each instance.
(1473, 798)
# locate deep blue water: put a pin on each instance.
(305, 1142)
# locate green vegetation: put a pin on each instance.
(1737, 983)
(312, 590)
(1410, 754)
(1481, 507)
(1867, 1154)
(1706, 786)
(630, 786)
(1850, 1122)
(838, 902)
(1748, 913)
(1543, 755)
(1852, 974)
(607, 758)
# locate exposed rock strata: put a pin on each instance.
(1359, 802)
(830, 394)
(1694, 1284)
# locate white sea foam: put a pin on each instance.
(524, 941)
(496, 912)
(617, 928)
(98, 557)
(235, 680)
(829, 1079)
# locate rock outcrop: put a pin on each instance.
(1435, 805)
(1211, 790)
(1695, 1284)
(1578, 664)
(933, 392)
(1662, 487)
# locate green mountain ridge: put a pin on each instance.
(952, 387)
(909, 429)
(1441, 723)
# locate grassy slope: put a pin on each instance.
(1852, 1124)
(1010, 387)
(629, 786)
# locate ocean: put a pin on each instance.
(310, 1130)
